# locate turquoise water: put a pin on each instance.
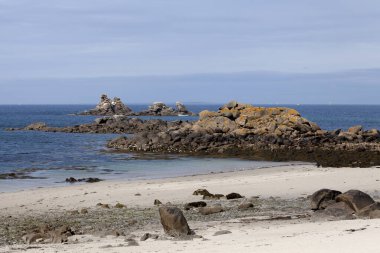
(51, 157)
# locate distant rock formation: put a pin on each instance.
(108, 107)
(182, 110)
(161, 109)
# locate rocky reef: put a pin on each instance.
(239, 130)
(279, 134)
(115, 124)
(108, 107)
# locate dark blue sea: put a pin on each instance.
(52, 157)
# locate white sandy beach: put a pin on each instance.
(286, 182)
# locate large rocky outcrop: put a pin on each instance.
(109, 107)
(261, 133)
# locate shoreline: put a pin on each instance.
(281, 216)
(264, 165)
(362, 178)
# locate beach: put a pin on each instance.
(281, 219)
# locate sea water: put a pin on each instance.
(51, 157)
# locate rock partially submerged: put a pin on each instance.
(109, 107)
(85, 180)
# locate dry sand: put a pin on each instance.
(288, 182)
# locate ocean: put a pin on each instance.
(49, 158)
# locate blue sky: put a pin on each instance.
(294, 51)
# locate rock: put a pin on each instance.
(157, 202)
(355, 199)
(90, 180)
(320, 199)
(245, 206)
(147, 236)
(217, 125)
(71, 180)
(190, 205)
(213, 196)
(83, 211)
(132, 242)
(100, 121)
(222, 232)
(33, 237)
(108, 107)
(107, 206)
(87, 180)
(355, 129)
(207, 114)
(202, 192)
(234, 196)
(182, 110)
(173, 221)
(207, 195)
(118, 205)
(45, 234)
(347, 136)
(369, 211)
(210, 210)
(230, 105)
(338, 210)
(36, 126)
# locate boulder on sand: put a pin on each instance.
(210, 210)
(320, 199)
(174, 222)
(190, 205)
(355, 199)
(371, 211)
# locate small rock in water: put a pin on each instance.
(87, 180)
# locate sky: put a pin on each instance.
(294, 51)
